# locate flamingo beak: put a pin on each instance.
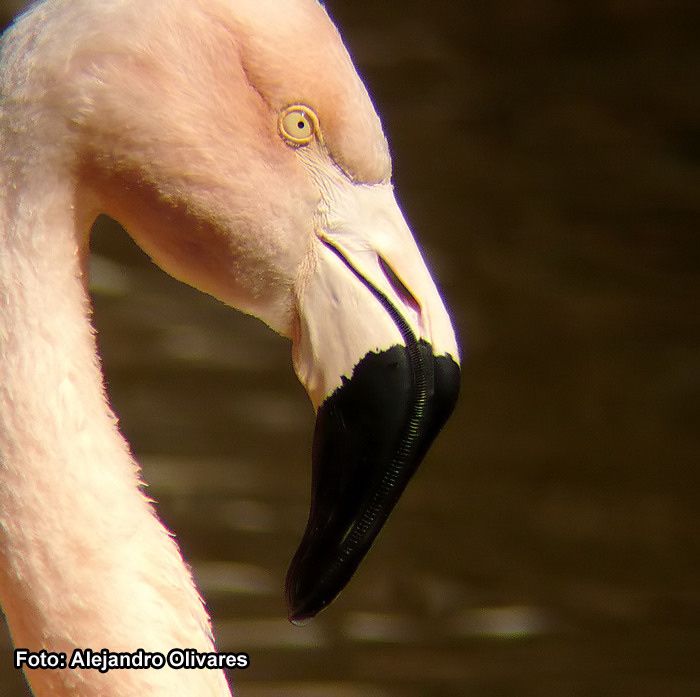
(378, 356)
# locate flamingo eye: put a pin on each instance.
(298, 124)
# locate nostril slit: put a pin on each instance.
(399, 287)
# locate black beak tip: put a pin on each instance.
(302, 615)
(300, 619)
(315, 577)
(370, 437)
(309, 588)
(301, 610)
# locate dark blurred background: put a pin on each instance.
(547, 155)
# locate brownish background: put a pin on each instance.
(548, 156)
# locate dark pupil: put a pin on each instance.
(300, 125)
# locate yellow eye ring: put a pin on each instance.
(298, 125)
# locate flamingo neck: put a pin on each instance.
(84, 562)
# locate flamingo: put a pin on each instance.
(236, 143)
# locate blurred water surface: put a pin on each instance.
(547, 155)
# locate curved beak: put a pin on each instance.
(377, 353)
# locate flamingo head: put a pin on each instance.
(237, 144)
